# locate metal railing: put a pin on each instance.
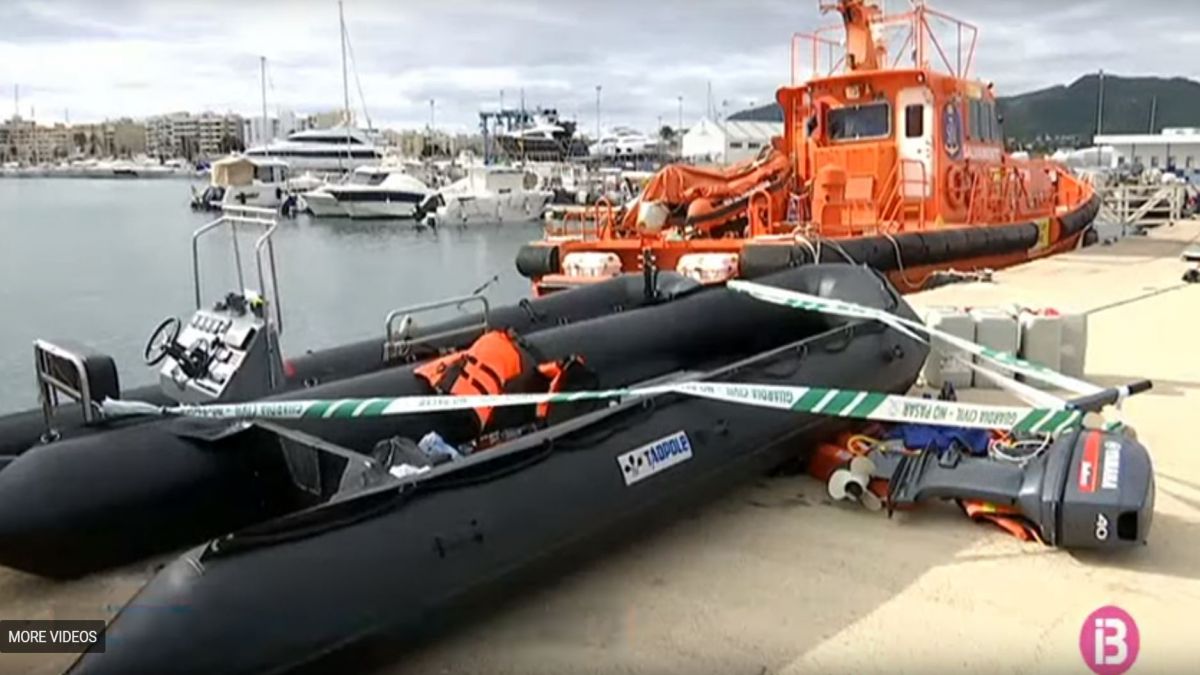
(48, 360)
(1147, 205)
(397, 342)
(251, 216)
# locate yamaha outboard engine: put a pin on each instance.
(1090, 489)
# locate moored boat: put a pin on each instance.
(352, 559)
(155, 484)
(487, 195)
(260, 182)
(892, 155)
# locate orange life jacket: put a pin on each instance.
(1007, 518)
(495, 364)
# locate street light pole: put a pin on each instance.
(680, 126)
(598, 112)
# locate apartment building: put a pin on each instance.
(204, 136)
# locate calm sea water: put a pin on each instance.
(103, 261)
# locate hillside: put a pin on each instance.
(1069, 112)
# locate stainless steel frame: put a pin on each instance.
(245, 215)
(396, 344)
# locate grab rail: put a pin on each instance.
(604, 230)
(233, 215)
(758, 225)
(396, 343)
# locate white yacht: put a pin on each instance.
(322, 150)
(371, 192)
(487, 195)
(624, 142)
(545, 137)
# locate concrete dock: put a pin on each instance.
(774, 578)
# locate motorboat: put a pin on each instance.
(337, 149)
(155, 485)
(370, 192)
(545, 137)
(487, 195)
(624, 142)
(892, 155)
(242, 180)
(362, 545)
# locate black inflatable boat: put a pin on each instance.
(20, 431)
(110, 492)
(347, 563)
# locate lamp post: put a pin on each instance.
(680, 125)
(598, 112)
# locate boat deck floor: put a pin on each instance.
(775, 579)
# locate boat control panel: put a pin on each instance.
(227, 353)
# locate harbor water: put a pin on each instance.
(104, 261)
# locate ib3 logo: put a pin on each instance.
(1109, 641)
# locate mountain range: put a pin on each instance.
(1066, 114)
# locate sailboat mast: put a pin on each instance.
(345, 79)
(262, 67)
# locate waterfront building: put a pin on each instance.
(1175, 149)
(729, 141)
(204, 136)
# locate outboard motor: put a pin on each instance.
(230, 351)
(1090, 488)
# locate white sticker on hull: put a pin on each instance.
(660, 455)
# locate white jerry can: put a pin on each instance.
(940, 367)
(996, 329)
(1041, 342)
(1074, 344)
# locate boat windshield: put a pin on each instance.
(364, 178)
(859, 121)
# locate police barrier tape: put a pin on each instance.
(816, 400)
(815, 303)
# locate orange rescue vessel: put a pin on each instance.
(897, 162)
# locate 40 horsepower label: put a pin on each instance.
(660, 455)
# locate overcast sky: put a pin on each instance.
(109, 58)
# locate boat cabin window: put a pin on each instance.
(983, 124)
(364, 178)
(736, 145)
(338, 140)
(270, 174)
(914, 121)
(859, 121)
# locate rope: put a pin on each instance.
(900, 263)
(814, 250)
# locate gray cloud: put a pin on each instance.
(121, 57)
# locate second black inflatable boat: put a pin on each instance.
(361, 558)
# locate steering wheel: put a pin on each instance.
(163, 342)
